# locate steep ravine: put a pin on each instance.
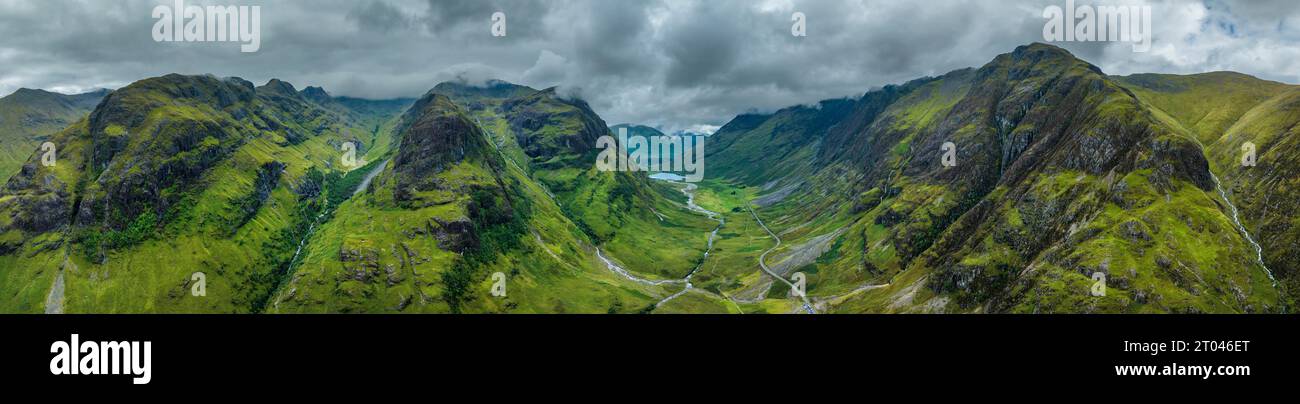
(288, 273)
(1236, 220)
(1232, 208)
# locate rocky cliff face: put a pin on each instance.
(196, 172)
(445, 220)
(1062, 172)
(1031, 184)
(437, 136)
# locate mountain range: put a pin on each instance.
(1033, 184)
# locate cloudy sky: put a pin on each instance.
(673, 64)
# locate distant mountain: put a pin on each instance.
(645, 132)
(636, 130)
(28, 117)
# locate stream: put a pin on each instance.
(689, 191)
(1259, 250)
(311, 229)
(1232, 208)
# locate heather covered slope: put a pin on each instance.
(167, 177)
(1062, 172)
(28, 117)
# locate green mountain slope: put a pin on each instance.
(553, 139)
(169, 177)
(1265, 193)
(1206, 104)
(1062, 172)
(1240, 109)
(444, 216)
(520, 200)
(487, 199)
(28, 117)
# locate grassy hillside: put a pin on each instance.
(1062, 172)
(444, 216)
(168, 177)
(29, 117)
(1225, 111)
(640, 223)
(1206, 104)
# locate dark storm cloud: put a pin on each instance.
(379, 16)
(702, 41)
(444, 15)
(670, 63)
(608, 38)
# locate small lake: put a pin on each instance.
(667, 177)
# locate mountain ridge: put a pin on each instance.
(957, 240)
(1061, 173)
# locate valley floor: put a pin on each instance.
(736, 272)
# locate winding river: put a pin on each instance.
(689, 190)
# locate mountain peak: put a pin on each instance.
(1037, 56)
(1041, 47)
(276, 86)
(436, 134)
(637, 130)
(30, 91)
(31, 94)
(1039, 51)
(132, 104)
(490, 89)
(315, 93)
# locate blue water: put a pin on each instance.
(667, 177)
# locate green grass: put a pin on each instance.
(1206, 104)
